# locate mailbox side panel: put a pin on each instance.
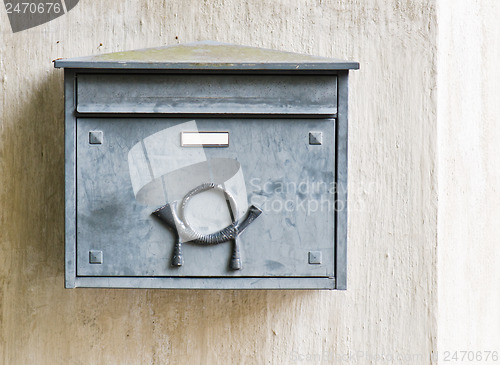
(70, 177)
(341, 209)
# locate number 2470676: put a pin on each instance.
(33, 8)
(472, 356)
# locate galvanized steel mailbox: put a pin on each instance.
(206, 165)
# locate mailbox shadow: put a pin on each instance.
(32, 153)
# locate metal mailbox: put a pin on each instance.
(206, 165)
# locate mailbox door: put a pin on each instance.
(288, 171)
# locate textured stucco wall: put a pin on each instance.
(390, 305)
(469, 178)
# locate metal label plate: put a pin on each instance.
(204, 139)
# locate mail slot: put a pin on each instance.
(206, 166)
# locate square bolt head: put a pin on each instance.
(96, 137)
(315, 257)
(315, 138)
(95, 257)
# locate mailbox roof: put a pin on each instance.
(207, 55)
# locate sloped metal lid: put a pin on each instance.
(207, 55)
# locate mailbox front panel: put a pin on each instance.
(128, 167)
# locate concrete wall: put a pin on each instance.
(390, 306)
(469, 178)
